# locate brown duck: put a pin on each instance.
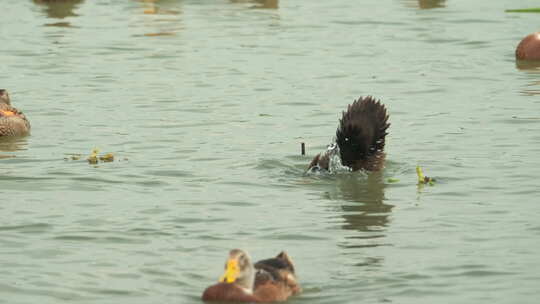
(360, 138)
(12, 121)
(529, 47)
(270, 280)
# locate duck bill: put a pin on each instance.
(231, 272)
(6, 113)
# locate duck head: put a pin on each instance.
(239, 270)
(4, 97)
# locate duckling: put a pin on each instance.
(360, 138)
(269, 280)
(12, 121)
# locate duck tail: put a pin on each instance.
(361, 134)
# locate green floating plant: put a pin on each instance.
(524, 10)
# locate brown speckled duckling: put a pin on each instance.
(359, 138)
(270, 280)
(12, 121)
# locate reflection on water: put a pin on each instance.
(10, 144)
(59, 9)
(533, 88)
(166, 20)
(370, 215)
(260, 3)
(531, 65)
(364, 213)
(363, 207)
(531, 69)
(368, 211)
(426, 4)
(161, 7)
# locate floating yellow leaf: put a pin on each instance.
(109, 157)
(93, 159)
(423, 179)
(420, 174)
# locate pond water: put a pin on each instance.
(204, 104)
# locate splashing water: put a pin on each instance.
(334, 165)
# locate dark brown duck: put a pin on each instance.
(360, 138)
(12, 121)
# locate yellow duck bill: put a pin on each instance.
(231, 272)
